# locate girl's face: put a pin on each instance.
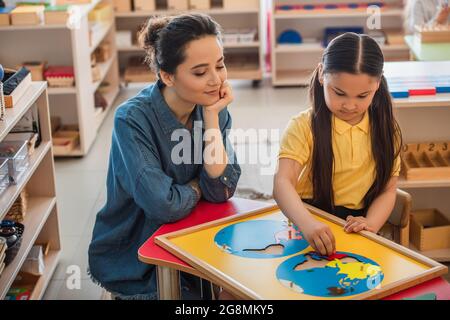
(349, 96)
(198, 79)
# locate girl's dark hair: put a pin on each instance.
(355, 54)
(165, 38)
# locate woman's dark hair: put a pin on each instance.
(355, 54)
(165, 38)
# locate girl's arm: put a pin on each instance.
(318, 234)
(378, 213)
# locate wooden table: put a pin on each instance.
(428, 51)
(168, 266)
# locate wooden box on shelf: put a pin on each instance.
(103, 52)
(36, 68)
(12, 98)
(426, 161)
(144, 5)
(199, 4)
(122, 5)
(56, 14)
(103, 12)
(430, 230)
(177, 4)
(66, 139)
(4, 16)
(27, 15)
(239, 4)
(73, 2)
(18, 210)
(60, 76)
(433, 34)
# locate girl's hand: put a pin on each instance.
(357, 224)
(319, 237)
(225, 98)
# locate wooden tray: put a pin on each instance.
(238, 264)
(426, 161)
(434, 34)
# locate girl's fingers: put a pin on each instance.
(332, 239)
(320, 246)
(352, 226)
(327, 243)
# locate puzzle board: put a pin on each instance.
(260, 255)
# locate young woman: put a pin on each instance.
(425, 12)
(342, 155)
(158, 170)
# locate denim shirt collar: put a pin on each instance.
(168, 120)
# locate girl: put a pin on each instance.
(154, 178)
(342, 155)
(425, 12)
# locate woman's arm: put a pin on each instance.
(221, 172)
(318, 234)
(378, 213)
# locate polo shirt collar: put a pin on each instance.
(340, 126)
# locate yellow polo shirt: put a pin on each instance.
(354, 167)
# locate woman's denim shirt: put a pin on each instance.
(146, 189)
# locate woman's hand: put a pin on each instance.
(357, 224)
(319, 236)
(225, 98)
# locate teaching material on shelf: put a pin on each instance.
(394, 37)
(5, 16)
(144, 5)
(66, 139)
(34, 263)
(13, 233)
(429, 230)
(433, 34)
(137, 71)
(16, 152)
(4, 177)
(64, 2)
(332, 32)
(60, 76)
(422, 161)
(15, 84)
(103, 12)
(56, 15)
(309, 8)
(237, 252)
(36, 68)
(27, 15)
(180, 5)
(18, 210)
(122, 5)
(124, 38)
(240, 5)
(199, 4)
(404, 87)
(103, 52)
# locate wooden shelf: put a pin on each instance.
(98, 37)
(74, 153)
(50, 263)
(253, 44)
(104, 69)
(13, 115)
(39, 208)
(438, 100)
(318, 48)
(292, 77)
(110, 98)
(13, 191)
(60, 91)
(217, 11)
(407, 184)
(336, 14)
(251, 74)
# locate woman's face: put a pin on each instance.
(349, 96)
(198, 79)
